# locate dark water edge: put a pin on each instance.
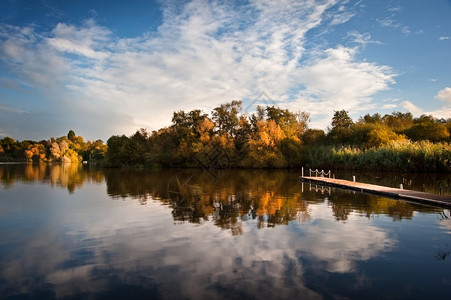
(436, 183)
(75, 232)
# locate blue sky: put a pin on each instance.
(103, 68)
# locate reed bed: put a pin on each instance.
(422, 156)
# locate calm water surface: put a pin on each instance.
(70, 232)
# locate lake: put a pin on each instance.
(75, 232)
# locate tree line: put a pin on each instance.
(269, 138)
(66, 149)
(278, 138)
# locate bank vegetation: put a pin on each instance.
(271, 137)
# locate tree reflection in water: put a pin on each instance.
(269, 197)
(340, 245)
(66, 175)
(234, 196)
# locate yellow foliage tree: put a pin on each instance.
(263, 150)
(35, 153)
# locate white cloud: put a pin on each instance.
(337, 81)
(444, 95)
(410, 107)
(444, 38)
(443, 112)
(203, 54)
(28, 56)
(81, 41)
(389, 106)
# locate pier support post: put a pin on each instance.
(302, 171)
(353, 178)
(401, 186)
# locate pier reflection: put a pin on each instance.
(173, 234)
(268, 197)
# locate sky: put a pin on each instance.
(104, 68)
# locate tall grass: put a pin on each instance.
(422, 156)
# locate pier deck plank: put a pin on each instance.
(410, 195)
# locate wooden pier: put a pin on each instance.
(409, 195)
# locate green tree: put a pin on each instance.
(291, 150)
(117, 150)
(341, 127)
(71, 135)
(341, 119)
(9, 145)
(226, 117)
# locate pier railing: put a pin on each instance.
(317, 173)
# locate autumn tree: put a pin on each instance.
(427, 128)
(398, 121)
(96, 150)
(292, 124)
(371, 119)
(373, 135)
(264, 147)
(36, 153)
(313, 136)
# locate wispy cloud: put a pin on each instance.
(204, 53)
(8, 109)
(444, 38)
(362, 38)
(342, 15)
(389, 22)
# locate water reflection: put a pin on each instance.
(270, 197)
(231, 197)
(70, 176)
(182, 234)
(227, 200)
